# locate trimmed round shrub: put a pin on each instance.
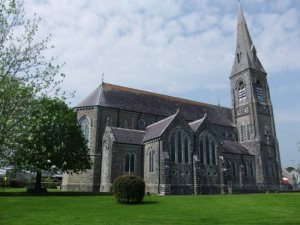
(129, 189)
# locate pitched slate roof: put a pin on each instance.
(235, 148)
(127, 136)
(155, 130)
(196, 124)
(113, 96)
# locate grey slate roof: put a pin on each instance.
(113, 96)
(196, 124)
(155, 130)
(235, 148)
(127, 136)
(245, 48)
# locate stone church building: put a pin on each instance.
(180, 146)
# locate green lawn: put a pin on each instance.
(88, 210)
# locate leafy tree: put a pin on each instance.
(25, 71)
(54, 142)
(13, 123)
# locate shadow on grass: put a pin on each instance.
(60, 194)
(149, 202)
(138, 204)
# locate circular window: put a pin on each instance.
(141, 123)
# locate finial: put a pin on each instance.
(219, 102)
(102, 78)
(108, 121)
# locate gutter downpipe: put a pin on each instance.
(158, 187)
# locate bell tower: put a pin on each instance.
(252, 108)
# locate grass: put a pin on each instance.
(257, 209)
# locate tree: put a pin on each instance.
(54, 142)
(25, 71)
(13, 123)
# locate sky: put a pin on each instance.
(183, 48)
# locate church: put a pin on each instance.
(180, 146)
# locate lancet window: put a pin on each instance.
(85, 124)
(208, 149)
(129, 163)
(242, 91)
(180, 147)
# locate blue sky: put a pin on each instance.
(183, 48)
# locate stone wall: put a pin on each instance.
(89, 180)
(152, 178)
(118, 160)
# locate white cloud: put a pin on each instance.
(163, 45)
(174, 47)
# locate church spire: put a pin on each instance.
(245, 56)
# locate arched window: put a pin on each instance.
(246, 170)
(208, 149)
(85, 124)
(251, 170)
(129, 163)
(151, 160)
(201, 152)
(241, 91)
(180, 147)
(242, 133)
(260, 92)
(186, 150)
(213, 153)
(245, 131)
(233, 169)
(132, 163)
(248, 131)
(173, 150)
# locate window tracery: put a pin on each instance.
(260, 92)
(208, 149)
(242, 91)
(129, 163)
(151, 160)
(180, 147)
(85, 124)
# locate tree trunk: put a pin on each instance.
(38, 181)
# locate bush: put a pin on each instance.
(129, 189)
(53, 185)
(35, 191)
(16, 184)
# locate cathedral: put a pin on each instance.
(180, 146)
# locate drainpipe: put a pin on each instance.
(158, 187)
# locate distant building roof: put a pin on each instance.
(127, 136)
(155, 130)
(113, 96)
(235, 148)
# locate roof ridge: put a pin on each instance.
(196, 121)
(160, 121)
(163, 95)
(121, 128)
